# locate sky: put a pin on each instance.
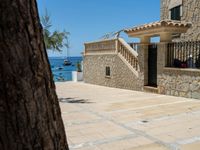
(89, 20)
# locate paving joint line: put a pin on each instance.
(82, 122)
(153, 106)
(103, 141)
(134, 131)
(169, 117)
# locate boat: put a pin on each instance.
(59, 68)
(60, 78)
(67, 62)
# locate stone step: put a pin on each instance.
(151, 89)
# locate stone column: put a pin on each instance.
(143, 57)
(165, 38)
(161, 56)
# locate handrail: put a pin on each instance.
(100, 41)
(128, 47)
(135, 46)
(128, 53)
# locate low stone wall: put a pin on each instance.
(121, 76)
(180, 82)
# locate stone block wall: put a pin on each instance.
(180, 82)
(190, 13)
(121, 75)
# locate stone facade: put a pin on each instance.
(170, 81)
(180, 82)
(190, 13)
(129, 69)
(175, 81)
(121, 76)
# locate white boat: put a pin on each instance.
(67, 62)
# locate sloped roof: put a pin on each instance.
(158, 24)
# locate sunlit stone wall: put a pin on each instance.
(190, 13)
(120, 75)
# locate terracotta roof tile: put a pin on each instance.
(162, 23)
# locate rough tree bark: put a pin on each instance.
(30, 117)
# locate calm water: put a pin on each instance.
(61, 72)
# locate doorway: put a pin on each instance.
(152, 65)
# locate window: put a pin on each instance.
(108, 71)
(176, 13)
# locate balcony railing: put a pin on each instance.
(183, 54)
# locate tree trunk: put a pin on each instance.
(30, 117)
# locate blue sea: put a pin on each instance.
(60, 72)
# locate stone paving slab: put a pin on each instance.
(103, 118)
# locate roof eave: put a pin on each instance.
(156, 31)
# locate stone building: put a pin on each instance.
(183, 10)
(168, 67)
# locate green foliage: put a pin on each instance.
(78, 66)
(56, 40)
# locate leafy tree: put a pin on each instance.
(56, 40)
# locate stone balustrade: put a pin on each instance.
(101, 47)
(130, 55)
(114, 46)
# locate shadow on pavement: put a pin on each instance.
(74, 100)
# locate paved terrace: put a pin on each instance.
(102, 118)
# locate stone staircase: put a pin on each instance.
(151, 89)
(116, 46)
